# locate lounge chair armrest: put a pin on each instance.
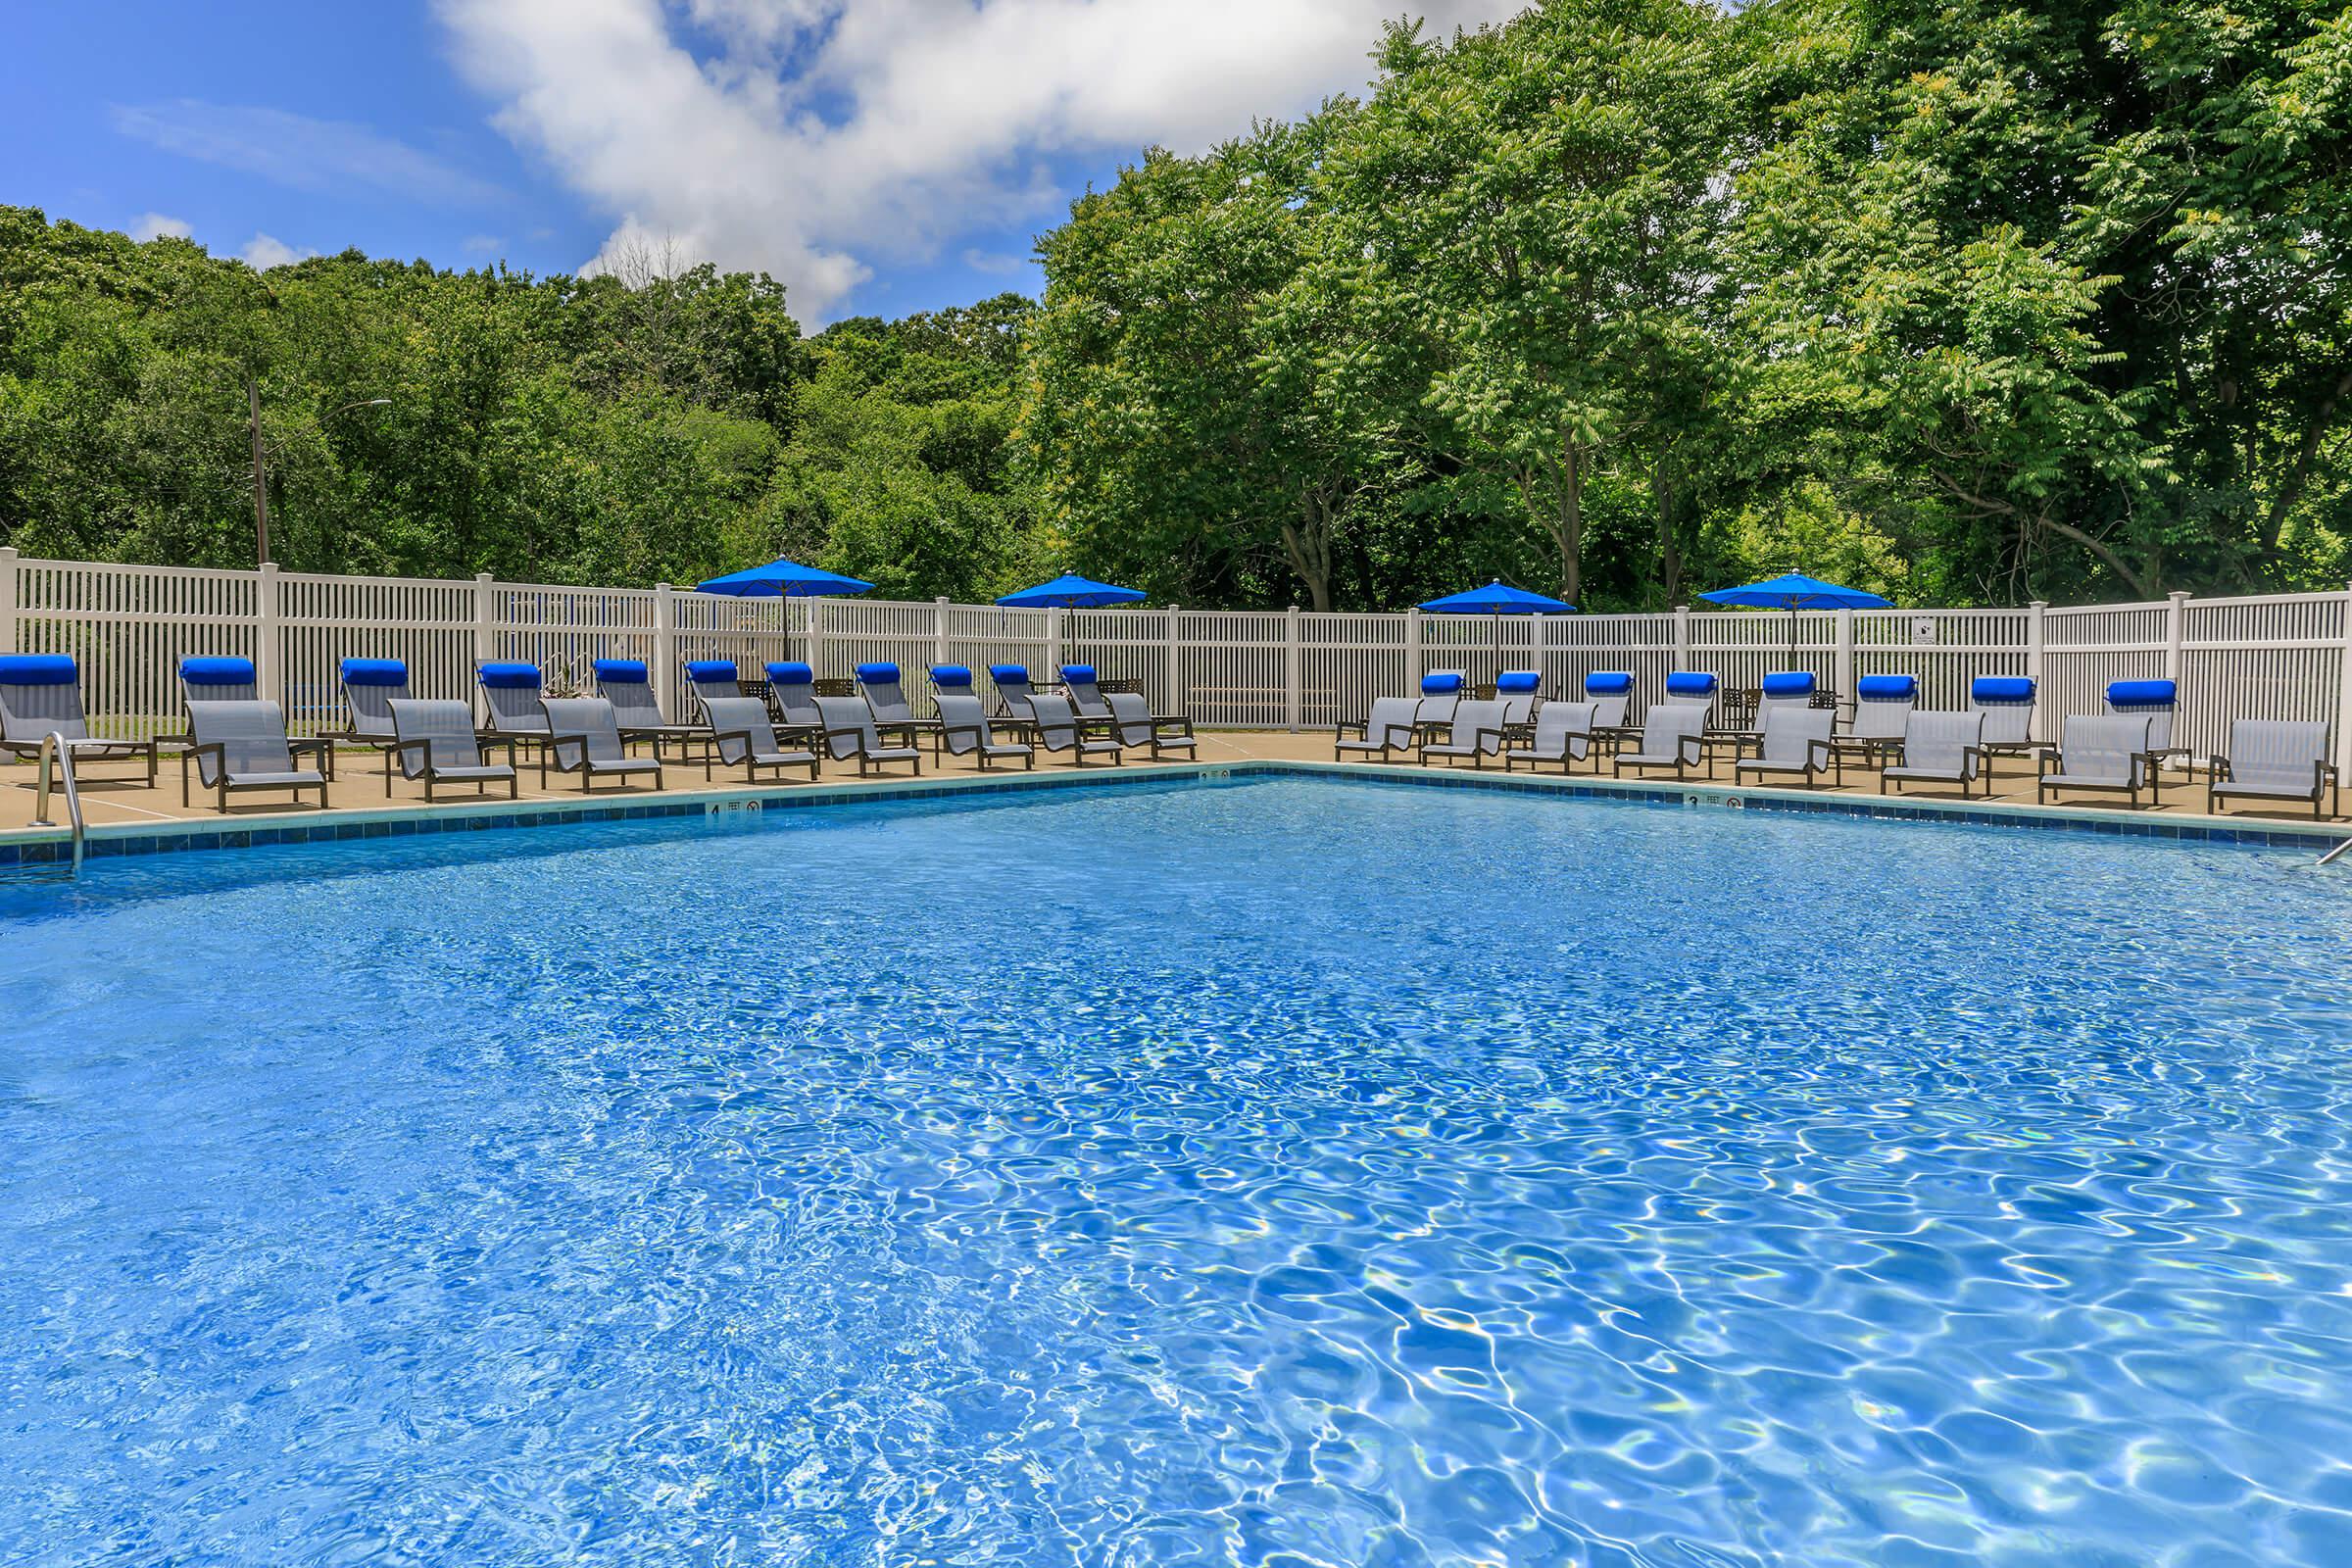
(1173, 724)
(1691, 748)
(1361, 728)
(571, 751)
(857, 737)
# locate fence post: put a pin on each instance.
(1682, 637)
(1175, 680)
(265, 633)
(938, 630)
(2343, 697)
(2176, 619)
(8, 599)
(1053, 670)
(1291, 674)
(1412, 650)
(665, 646)
(1844, 679)
(816, 636)
(2037, 656)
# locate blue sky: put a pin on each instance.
(878, 156)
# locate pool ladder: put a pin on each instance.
(57, 756)
(2338, 849)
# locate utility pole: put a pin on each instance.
(261, 480)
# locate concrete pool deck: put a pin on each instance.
(131, 818)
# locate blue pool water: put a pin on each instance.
(1285, 1173)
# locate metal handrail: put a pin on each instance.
(55, 749)
(2338, 849)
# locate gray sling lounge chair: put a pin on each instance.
(435, 742)
(1440, 695)
(369, 688)
(1672, 736)
(1518, 690)
(792, 692)
(1388, 727)
(40, 695)
(1475, 733)
(1132, 724)
(1059, 729)
(850, 735)
(963, 731)
(1939, 749)
(2007, 704)
(2103, 752)
(242, 746)
(1564, 735)
(2156, 701)
(2275, 759)
(886, 695)
(742, 737)
(1612, 694)
(706, 678)
(1795, 743)
(628, 686)
(1692, 688)
(583, 738)
(1079, 685)
(511, 696)
(1883, 709)
(1011, 683)
(216, 679)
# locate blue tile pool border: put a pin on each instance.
(33, 848)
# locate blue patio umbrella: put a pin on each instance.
(1072, 592)
(783, 579)
(1498, 599)
(1794, 591)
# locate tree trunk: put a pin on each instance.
(1670, 558)
(1307, 544)
(1571, 530)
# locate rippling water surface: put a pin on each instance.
(1286, 1173)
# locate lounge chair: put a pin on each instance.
(880, 686)
(1883, 709)
(706, 678)
(434, 742)
(952, 680)
(1691, 688)
(511, 696)
(241, 745)
(217, 678)
(1673, 735)
(742, 737)
(1475, 733)
(1388, 727)
(963, 731)
(628, 686)
(1078, 683)
(2007, 704)
(2105, 752)
(1785, 688)
(792, 691)
(1518, 690)
(1795, 743)
(1612, 694)
(1440, 695)
(1939, 749)
(583, 736)
(1059, 729)
(1132, 724)
(1563, 734)
(371, 686)
(2157, 702)
(2275, 759)
(1011, 683)
(849, 734)
(40, 695)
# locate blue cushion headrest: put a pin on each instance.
(1078, 675)
(1442, 684)
(217, 672)
(623, 670)
(2142, 693)
(873, 674)
(955, 675)
(790, 674)
(37, 669)
(1607, 682)
(511, 674)
(2001, 689)
(1518, 680)
(700, 669)
(1689, 682)
(1001, 673)
(1788, 682)
(1887, 686)
(374, 673)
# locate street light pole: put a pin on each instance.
(261, 482)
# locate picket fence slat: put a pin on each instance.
(2269, 655)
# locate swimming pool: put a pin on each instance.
(1289, 1171)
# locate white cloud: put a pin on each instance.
(264, 251)
(809, 137)
(155, 225)
(308, 154)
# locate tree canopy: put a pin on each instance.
(1965, 301)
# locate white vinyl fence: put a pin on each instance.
(2280, 656)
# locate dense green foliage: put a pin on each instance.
(1967, 301)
